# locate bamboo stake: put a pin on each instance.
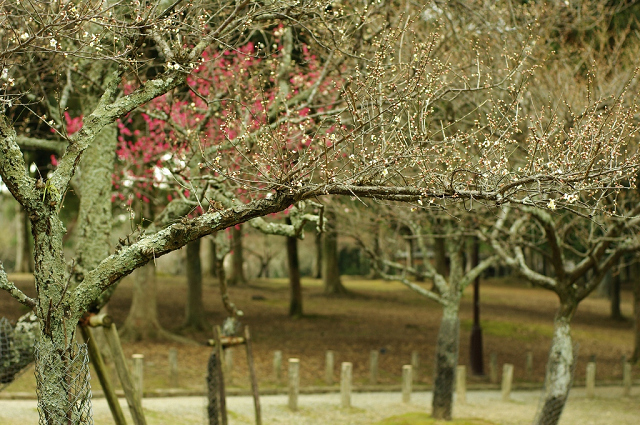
(135, 405)
(223, 401)
(103, 376)
(252, 374)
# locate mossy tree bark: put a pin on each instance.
(447, 350)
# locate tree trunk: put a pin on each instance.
(559, 375)
(194, 312)
(616, 284)
(330, 270)
(213, 258)
(317, 272)
(636, 318)
(142, 321)
(24, 257)
(236, 276)
(295, 305)
(446, 362)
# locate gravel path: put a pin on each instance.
(607, 408)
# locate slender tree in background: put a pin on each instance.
(194, 313)
(295, 303)
(330, 270)
(236, 272)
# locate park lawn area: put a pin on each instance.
(419, 418)
(377, 315)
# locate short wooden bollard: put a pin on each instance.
(173, 368)
(507, 380)
(407, 383)
(461, 384)
(294, 383)
(329, 362)
(138, 374)
(228, 362)
(373, 367)
(528, 365)
(345, 384)
(626, 379)
(415, 364)
(493, 368)
(591, 380)
(277, 365)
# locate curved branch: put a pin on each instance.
(11, 288)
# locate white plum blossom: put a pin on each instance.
(53, 43)
(552, 204)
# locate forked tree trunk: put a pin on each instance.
(236, 276)
(330, 269)
(447, 347)
(194, 311)
(295, 304)
(559, 375)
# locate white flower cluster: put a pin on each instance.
(570, 198)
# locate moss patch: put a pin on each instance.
(511, 330)
(418, 418)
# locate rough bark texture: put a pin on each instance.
(295, 304)
(446, 362)
(194, 313)
(559, 375)
(236, 276)
(24, 258)
(330, 270)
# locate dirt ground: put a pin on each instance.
(379, 316)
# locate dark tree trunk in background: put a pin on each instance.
(636, 316)
(446, 362)
(317, 272)
(295, 304)
(194, 313)
(616, 284)
(236, 277)
(213, 258)
(330, 270)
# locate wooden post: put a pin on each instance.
(173, 368)
(138, 374)
(135, 405)
(294, 383)
(328, 367)
(591, 380)
(228, 363)
(252, 376)
(345, 384)
(373, 367)
(626, 379)
(103, 376)
(277, 365)
(507, 380)
(407, 383)
(528, 366)
(217, 332)
(493, 368)
(461, 384)
(415, 365)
